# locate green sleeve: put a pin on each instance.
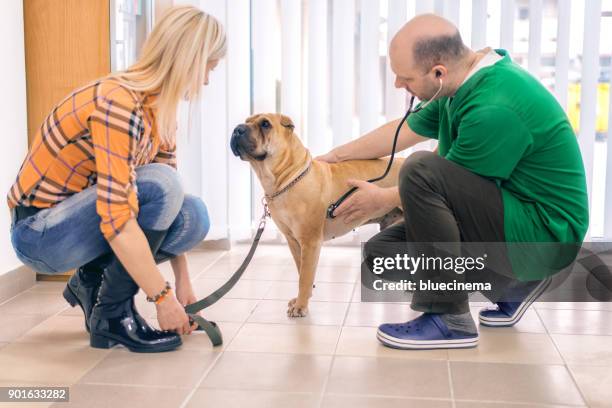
(490, 142)
(426, 122)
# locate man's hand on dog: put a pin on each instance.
(330, 157)
(369, 201)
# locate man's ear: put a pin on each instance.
(286, 121)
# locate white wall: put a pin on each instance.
(13, 123)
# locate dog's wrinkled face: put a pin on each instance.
(261, 136)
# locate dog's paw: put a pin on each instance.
(296, 308)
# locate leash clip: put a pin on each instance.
(266, 213)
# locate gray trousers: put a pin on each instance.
(444, 202)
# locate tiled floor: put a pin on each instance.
(558, 355)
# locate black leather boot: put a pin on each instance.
(82, 288)
(114, 319)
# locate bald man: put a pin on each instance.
(508, 170)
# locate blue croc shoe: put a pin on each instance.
(506, 314)
(427, 331)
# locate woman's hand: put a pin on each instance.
(185, 295)
(171, 316)
(369, 201)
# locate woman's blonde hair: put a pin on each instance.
(172, 62)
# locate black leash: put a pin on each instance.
(210, 327)
(334, 206)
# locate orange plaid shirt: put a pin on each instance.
(97, 135)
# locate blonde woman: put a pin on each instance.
(98, 190)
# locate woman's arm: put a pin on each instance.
(132, 249)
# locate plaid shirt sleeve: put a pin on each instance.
(116, 125)
(166, 155)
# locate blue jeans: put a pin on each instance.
(67, 235)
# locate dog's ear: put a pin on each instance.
(286, 121)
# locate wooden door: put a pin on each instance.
(67, 44)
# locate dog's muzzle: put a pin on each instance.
(241, 143)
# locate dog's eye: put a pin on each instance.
(265, 124)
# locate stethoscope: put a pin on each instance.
(333, 206)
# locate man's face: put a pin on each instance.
(412, 77)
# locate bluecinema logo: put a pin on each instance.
(403, 262)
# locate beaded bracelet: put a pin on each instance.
(163, 297)
(157, 299)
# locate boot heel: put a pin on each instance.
(69, 296)
(101, 342)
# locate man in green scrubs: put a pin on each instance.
(508, 169)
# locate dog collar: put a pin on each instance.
(291, 183)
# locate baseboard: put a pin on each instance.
(16, 281)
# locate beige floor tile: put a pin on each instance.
(218, 270)
(28, 303)
(320, 313)
(375, 314)
(527, 383)
(258, 263)
(264, 255)
(71, 311)
(105, 396)
(594, 382)
(282, 338)
(197, 263)
(577, 321)
(48, 363)
(179, 368)
(59, 330)
(529, 323)
(25, 404)
(339, 256)
(490, 404)
(525, 348)
(274, 273)
(323, 291)
(231, 310)
(362, 341)
(338, 274)
(584, 349)
(344, 401)
(205, 257)
(244, 289)
(14, 326)
(206, 397)
(226, 309)
(271, 372)
(390, 377)
(199, 341)
(356, 292)
(48, 287)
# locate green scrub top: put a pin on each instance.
(504, 125)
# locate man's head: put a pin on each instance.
(426, 52)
